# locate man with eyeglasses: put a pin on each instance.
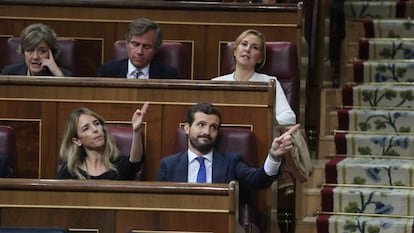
(143, 39)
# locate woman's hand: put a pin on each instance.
(138, 117)
(137, 148)
(50, 63)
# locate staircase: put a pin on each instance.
(363, 179)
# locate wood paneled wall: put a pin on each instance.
(205, 24)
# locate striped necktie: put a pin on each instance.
(138, 73)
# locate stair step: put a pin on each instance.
(373, 200)
(342, 223)
(371, 171)
(376, 120)
(376, 143)
(377, 9)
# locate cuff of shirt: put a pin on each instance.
(271, 167)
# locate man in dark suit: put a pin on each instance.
(202, 125)
(143, 39)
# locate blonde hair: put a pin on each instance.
(262, 45)
(74, 156)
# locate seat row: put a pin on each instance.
(84, 56)
(231, 140)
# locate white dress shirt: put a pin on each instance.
(194, 165)
(132, 70)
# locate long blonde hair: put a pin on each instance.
(74, 156)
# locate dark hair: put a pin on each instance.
(141, 26)
(34, 34)
(206, 108)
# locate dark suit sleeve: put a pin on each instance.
(114, 69)
(162, 172)
(5, 170)
(254, 178)
(159, 70)
(15, 69)
(102, 71)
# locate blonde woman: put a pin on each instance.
(249, 53)
(88, 151)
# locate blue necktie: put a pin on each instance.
(201, 175)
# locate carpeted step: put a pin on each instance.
(388, 28)
(384, 95)
(377, 9)
(391, 121)
(386, 48)
(327, 223)
(367, 200)
(375, 144)
(383, 71)
(370, 171)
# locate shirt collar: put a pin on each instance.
(132, 68)
(192, 156)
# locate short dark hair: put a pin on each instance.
(34, 34)
(206, 108)
(141, 26)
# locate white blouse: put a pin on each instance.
(283, 112)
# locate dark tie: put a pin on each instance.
(201, 175)
(138, 73)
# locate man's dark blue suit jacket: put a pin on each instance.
(119, 69)
(226, 167)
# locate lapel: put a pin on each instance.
(220, 168)
(153, 70)
(181, 173)
(123, 68)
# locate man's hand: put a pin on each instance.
(282, 144)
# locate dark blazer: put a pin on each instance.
(21, 69)
(119, 69)
(226, 167)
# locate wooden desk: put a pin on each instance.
(119, 206)
(204, 24)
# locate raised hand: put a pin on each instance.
(282, 144)
(138, 117)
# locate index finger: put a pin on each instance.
(291, 130)
(50, 54)
(145, 106)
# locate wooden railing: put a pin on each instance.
(119, 206)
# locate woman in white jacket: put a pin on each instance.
(249, 51)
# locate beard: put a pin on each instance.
(204, 148)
